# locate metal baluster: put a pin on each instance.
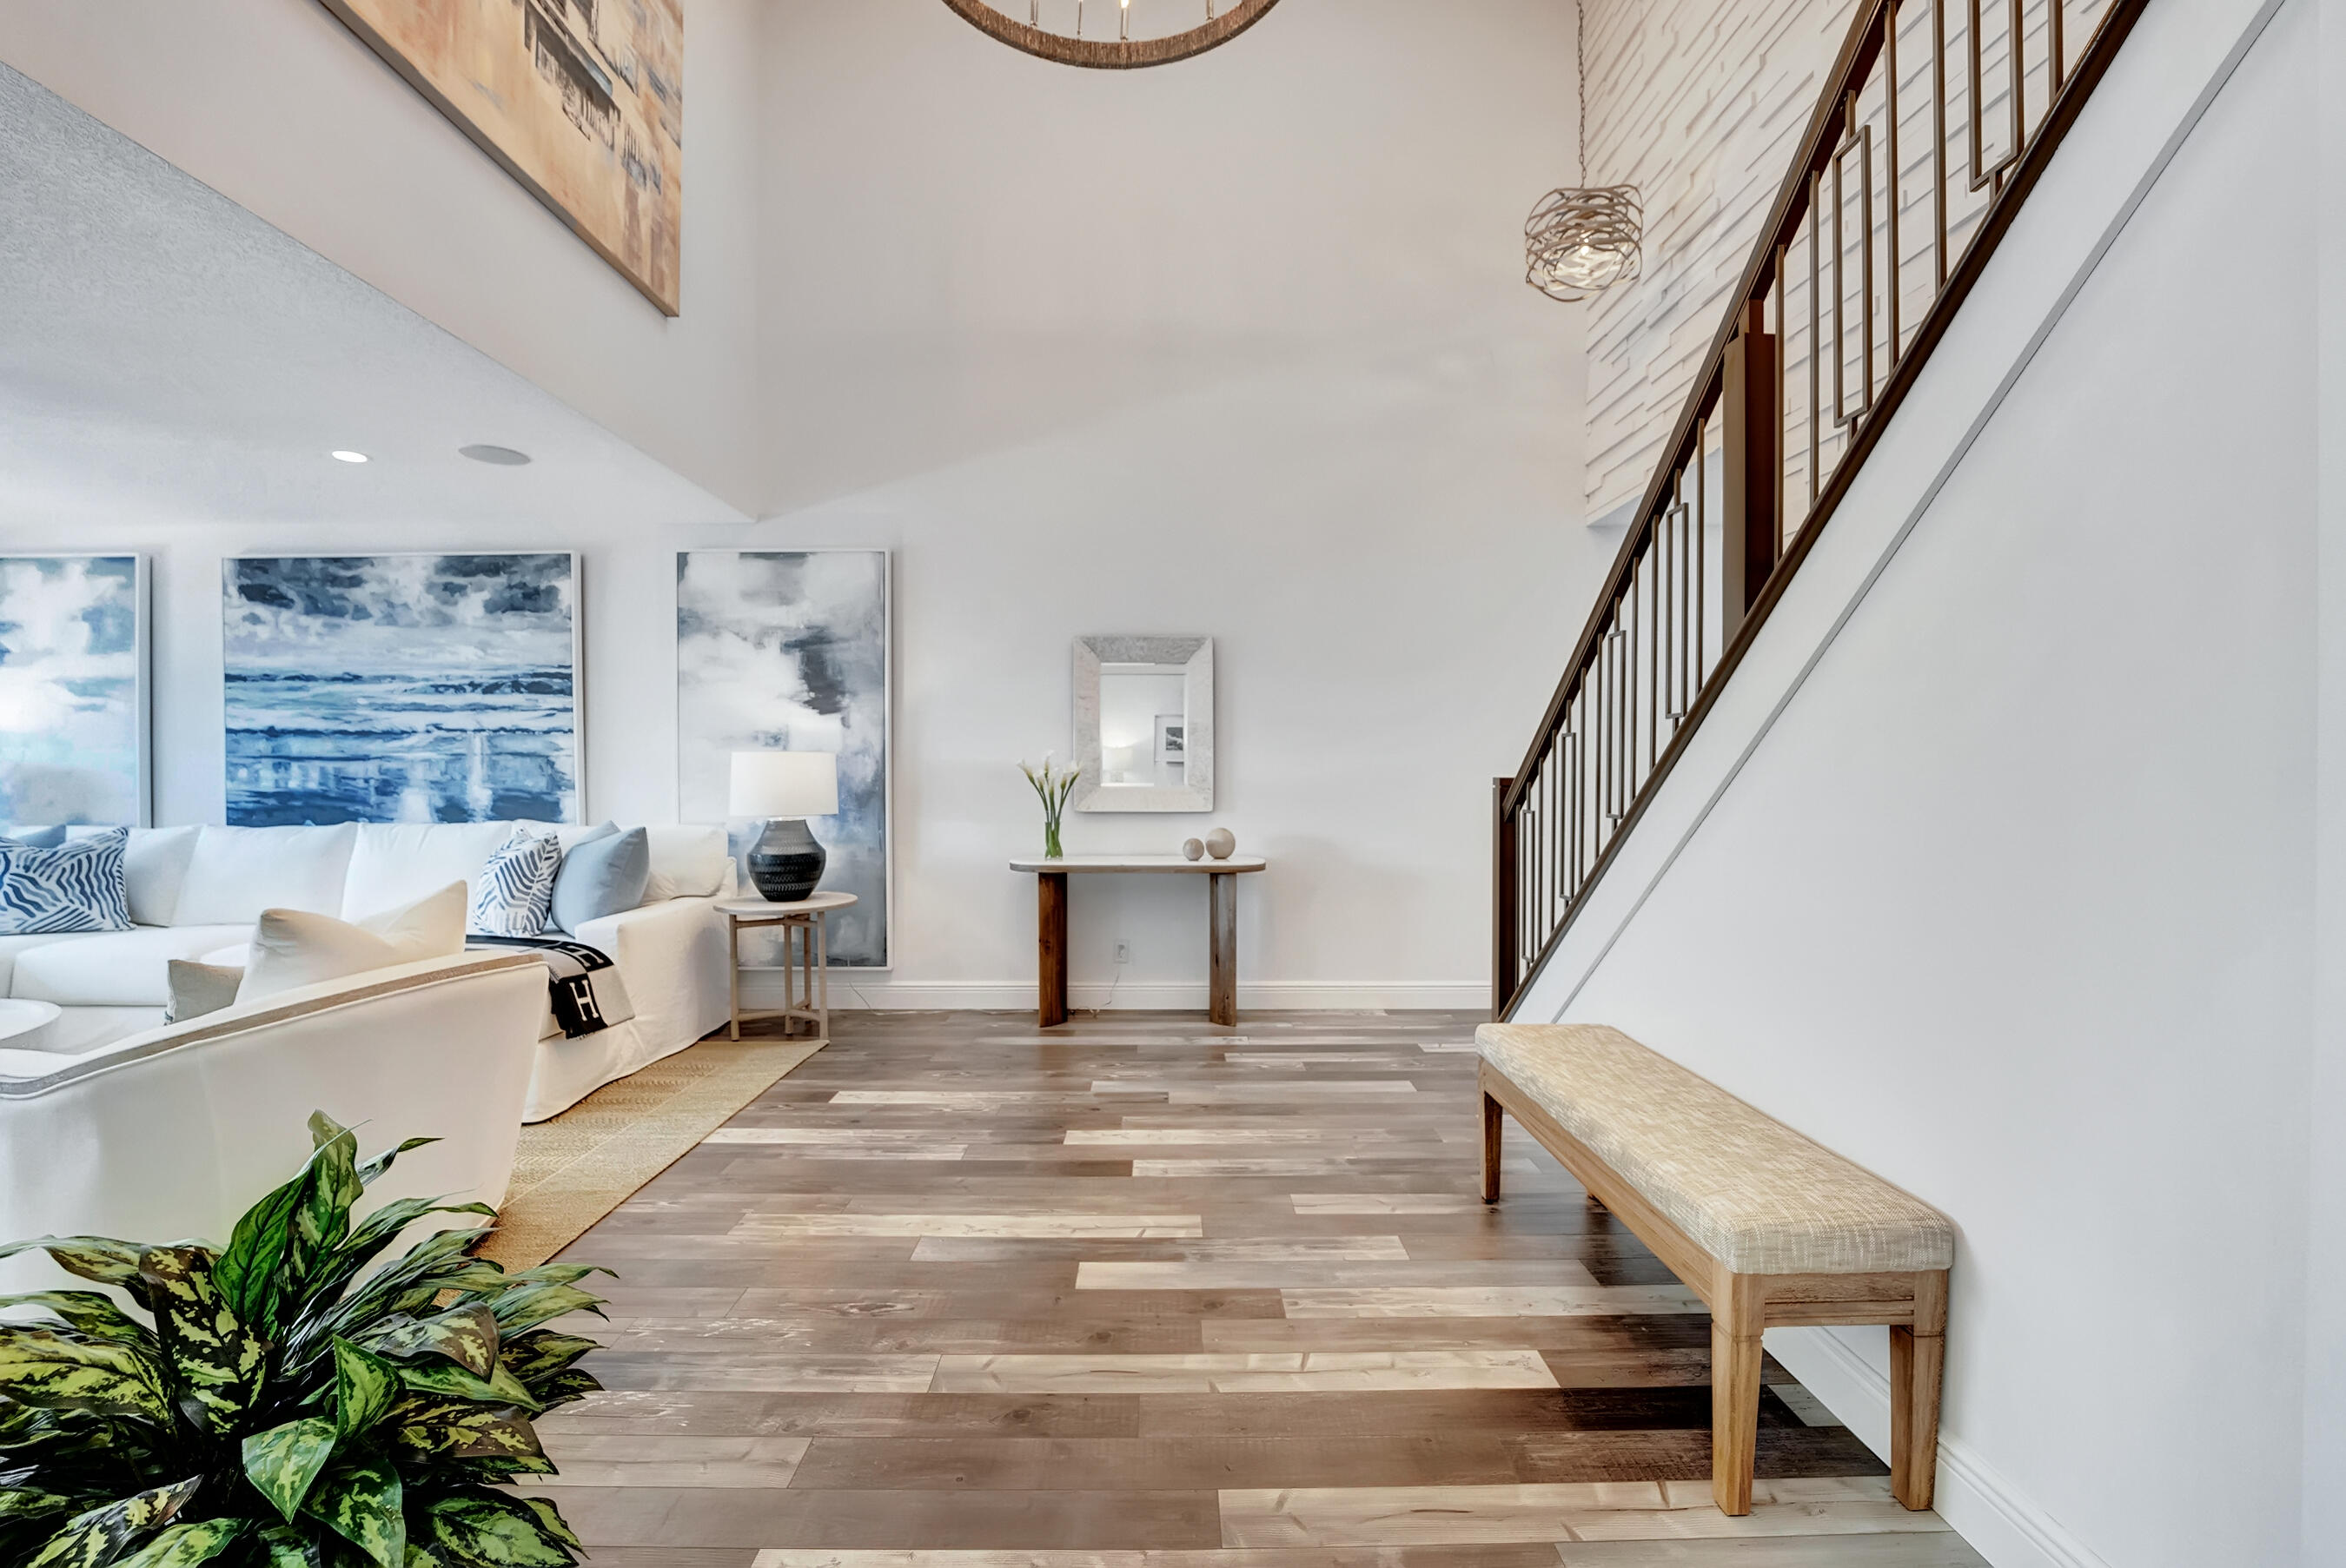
(1890, 78)
(1816, 325)
(1939, 140)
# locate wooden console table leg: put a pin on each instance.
(1051, 946)
(1222, 937)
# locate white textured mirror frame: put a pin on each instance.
(1194, 656)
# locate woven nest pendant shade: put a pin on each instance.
(1582, 240)
(1112, 35)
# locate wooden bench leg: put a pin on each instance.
(1918, 1359)
(1735, 1354)
(1495, 1132)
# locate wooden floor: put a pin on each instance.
(1143, 1293)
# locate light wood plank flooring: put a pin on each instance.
(1138, 1292)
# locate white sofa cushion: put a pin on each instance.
(153, 868)
(688, 862)
(294, 948)
(115, 969)
(395, 863)
(237, 872)
(12, 946)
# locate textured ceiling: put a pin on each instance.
(166, 355)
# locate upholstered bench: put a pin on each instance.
(1769, 1228)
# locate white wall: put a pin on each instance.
(279, 107)
(2009, 893)
(1237, 347)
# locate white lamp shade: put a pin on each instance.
(784, 784)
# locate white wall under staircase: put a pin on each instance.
(1995, 866)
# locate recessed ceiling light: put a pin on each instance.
(503, 456)
(348, 457)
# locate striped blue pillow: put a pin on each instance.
(76, 887)
(516, 887)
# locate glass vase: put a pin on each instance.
(1051, 851)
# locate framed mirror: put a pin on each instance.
(1145, 724)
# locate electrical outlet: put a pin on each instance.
(1124, 953)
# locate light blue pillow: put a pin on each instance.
(76, 887)
(517, 886)
(602, 875)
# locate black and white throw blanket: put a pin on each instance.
(583, 987)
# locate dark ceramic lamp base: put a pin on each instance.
(786, 862)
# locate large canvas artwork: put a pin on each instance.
(582, 101)
(401, 688)
(788, 650)
(73, 690)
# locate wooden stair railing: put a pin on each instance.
(1938, 118)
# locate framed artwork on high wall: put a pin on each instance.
(788, 650)
(581, 101)
(403, 688)
(73, 690)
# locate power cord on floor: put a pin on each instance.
(1115, 979)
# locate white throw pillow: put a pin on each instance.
(237, 872)
(687, 863)
(516, 887)
(153, 868)
(292, 947)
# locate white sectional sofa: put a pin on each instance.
(194, 891)
(177, 1130)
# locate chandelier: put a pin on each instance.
(1101, 34)
(1582, 240)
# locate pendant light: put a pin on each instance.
(1582, 240)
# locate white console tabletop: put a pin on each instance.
(1140, 863)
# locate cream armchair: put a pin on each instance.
(173, 1134)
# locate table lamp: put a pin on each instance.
(785, 788)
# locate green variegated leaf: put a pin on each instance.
(449, 1429)
(550, 1520)
(321, 1221)
(282, 1243)
(565, 1387)
(542, 1352)
(466, 1335)
(379, 1230)
(451, 1381)
(97, 1257)
(283, 1461)
(21, 1503)
(483, 1528)
(250, 1269)
(365, 1387)
(41, 1367)
(281, 1547)
(533, 1304)
(185, 1545)
(87, 1312)
(217, 1364)
(501, 1469)
(94, 1539)
(560, 1273)
(362, 1503)
(382, 1162)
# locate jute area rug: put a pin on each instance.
(578, 1167)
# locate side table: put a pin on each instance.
(806, 977)
(1221, 923)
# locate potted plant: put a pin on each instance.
(274, 1404)
(1052, 788)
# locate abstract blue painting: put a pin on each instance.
(401, 688)
(787, 650)
(73, 690)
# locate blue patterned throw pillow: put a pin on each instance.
(75, 887)
(516, 887)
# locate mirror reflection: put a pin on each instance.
(1144, 726)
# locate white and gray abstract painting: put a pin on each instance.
(788, 650)
(401, 688)
(72, 723)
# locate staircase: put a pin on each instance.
(1937, 120)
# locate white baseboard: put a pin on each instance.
(851, 989)
(1987, 1509)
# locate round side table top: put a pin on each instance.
(23, 1023)
(766, 909)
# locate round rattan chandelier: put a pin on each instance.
(1106, 35)
(1583, 238)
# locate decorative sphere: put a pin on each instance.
(1220, 843)
(1192, 850)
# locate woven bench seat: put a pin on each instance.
(1756, 1195)
(1768, 1228)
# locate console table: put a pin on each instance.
(1221, 920)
